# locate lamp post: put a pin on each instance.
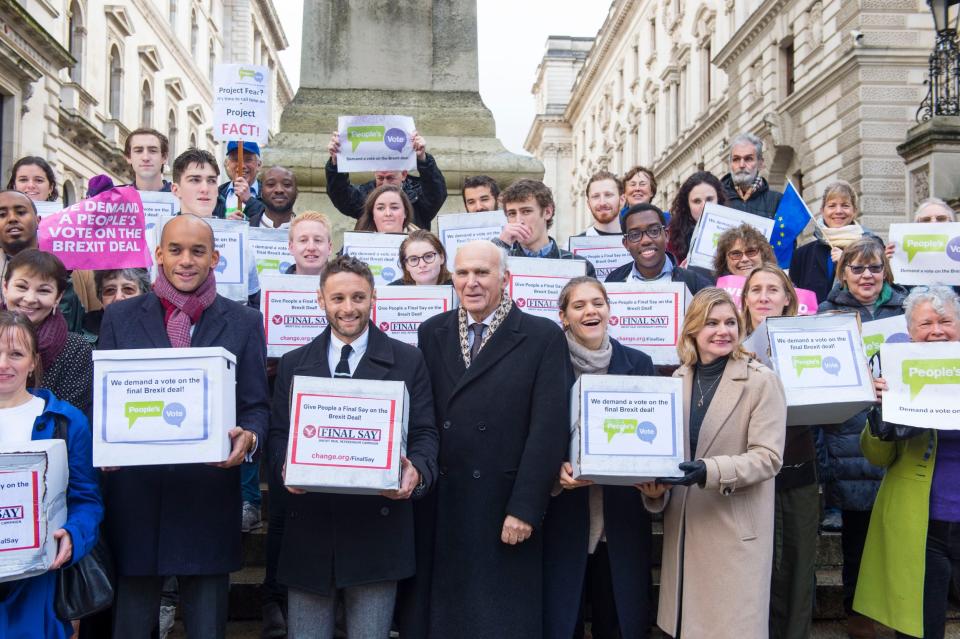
(943, 92)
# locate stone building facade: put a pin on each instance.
(78, 75)
(831, 86)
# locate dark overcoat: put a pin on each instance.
(504, 427)
(626, 525)
(333, 541)
(184, 519)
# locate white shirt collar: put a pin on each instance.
(267, 223)
(358, 345)
(486, 320)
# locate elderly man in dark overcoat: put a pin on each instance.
(501, 380)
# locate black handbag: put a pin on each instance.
(85, 587)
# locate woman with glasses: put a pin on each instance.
(423, 260)
(740, 250)
(696, 192)
(865, 287)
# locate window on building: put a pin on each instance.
(172, 132)
(653, 36)
(193, 139)
(194, 34)
(787, 70)
(652, 135)
(115, 104)
(69, 193)
(146, 105)
(172, 14)
(212, 59)
(706, 71)
(76, 40)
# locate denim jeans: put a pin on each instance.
(250, 482)
(369, 612)
(943, 565)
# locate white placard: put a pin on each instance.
(241, 103)
(713, 222)
(535, 283)
(605, 252)
(926, 253)
(272, 248)
(292, 316)
(923, 381)
(399, 310)
(375, 143)
(891, 330)
(648, 316)
(457, 229)
(48, 208)
(381, 252)
(157, 204)
(231, 239)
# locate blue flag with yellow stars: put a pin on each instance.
(790, 219)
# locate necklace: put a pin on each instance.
(709, 388)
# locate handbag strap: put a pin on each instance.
(60, 426)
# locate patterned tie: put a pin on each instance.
(343, 366)
(477, 339)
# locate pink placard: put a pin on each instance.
(103, 232)
(733, 284)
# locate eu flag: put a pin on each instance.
(790, 219)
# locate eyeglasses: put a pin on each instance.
(876, 269)
(428, 258)
(652, 232)
(736, 256)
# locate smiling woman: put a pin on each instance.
(34, 177)
(386, 210)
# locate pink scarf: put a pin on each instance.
(183, 309)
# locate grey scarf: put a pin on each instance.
(588, 361)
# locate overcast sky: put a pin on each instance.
(512, 39)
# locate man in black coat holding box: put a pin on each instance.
(354, 546)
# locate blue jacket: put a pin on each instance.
(27, 612)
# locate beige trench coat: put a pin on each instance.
(718, 540)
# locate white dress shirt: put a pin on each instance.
(359, 346)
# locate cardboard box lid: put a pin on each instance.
(164, 353)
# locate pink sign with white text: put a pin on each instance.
(733, 284)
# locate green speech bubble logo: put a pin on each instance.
(716, 240)
(914, 244)
(918, 373)
(357, 135)
(270, 263)
(872, 344)
(802, 362)
(617, 426)
(135, 410)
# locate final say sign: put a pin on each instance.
(241, 103)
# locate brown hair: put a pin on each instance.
(164, 142)
(750, 237)
(793, 305)
(36, 262)
(366, 223)
(525, 188)
(696, 318)
(868, 247)
(20, 324)
(567, 290)
(600, 176)
(346, 264)
(422, 235)
(33, 160)
(642, 169)
(841, 188)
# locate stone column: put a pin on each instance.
(931, 153)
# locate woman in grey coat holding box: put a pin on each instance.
(597, 539)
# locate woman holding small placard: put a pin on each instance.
(386, 210)
(718, 517)
(423, 260)
(597, 539)
(911, 553)
(768, 292)
(27, 605)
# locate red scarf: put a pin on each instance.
(183, 310)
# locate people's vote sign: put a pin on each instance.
(605, 252)
(241, 103)
(648, 316)
(399, 310)
(927, 253)
(923, 381)
(381, 252)
(375, 143)
(271, 247)
(890, 330)
(457, 229)
(733, 284)
(292, 316)
(535, 283)
(714, 220)
(160, 406)
(103, 232)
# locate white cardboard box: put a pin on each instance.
(399, 310)
(626, 429)
(292, 316)
(33, 504)
(380, 251)
(821, 362)
(605, 252)
(163, 406)
(271, 247)
(535, 283)
(346, 435)
(648, 316)
(456, 229)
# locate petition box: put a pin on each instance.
(535, 283)
(399, 310)
(605, 252)
(626, 429)
(821, 362)
(457, 229)
(163, 406)
(33, 504)
(648, 316)
(292, 316)
(346, 435)
(380, 251)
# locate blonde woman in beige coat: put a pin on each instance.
(718, 517)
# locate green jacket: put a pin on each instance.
(890, 587)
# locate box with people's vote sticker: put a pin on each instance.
(33, 505)
(626, 429)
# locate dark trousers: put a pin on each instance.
(598, 595)
(203, 606)
(273, 591)
(792, 586)
(943, 565)
(852, 539)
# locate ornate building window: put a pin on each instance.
(146, 104)
(194, 34)
(211, 60)
(76, 40)
(172, 14)
(115, 89)
(172, 132)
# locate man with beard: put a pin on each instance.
(746, 190)
(480, 193)
(18, 225)
(278, 190)
(604, 199)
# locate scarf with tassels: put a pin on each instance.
(505, 305)
(183, 310)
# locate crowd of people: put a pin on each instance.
(489, 533)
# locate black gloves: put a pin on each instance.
(696, 473)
